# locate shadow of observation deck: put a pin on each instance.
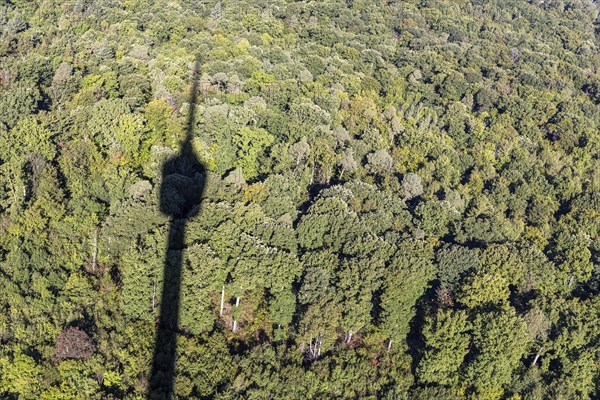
(181, 192)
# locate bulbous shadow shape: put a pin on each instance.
(181, 192)
(182, 186)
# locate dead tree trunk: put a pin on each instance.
(237, 304)
(537, 356)
(319, 348)
(222, 301)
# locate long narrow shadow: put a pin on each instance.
(181, 191)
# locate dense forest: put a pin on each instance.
(400, 199)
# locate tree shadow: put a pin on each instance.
(181, 192)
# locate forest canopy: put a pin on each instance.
(401, 198)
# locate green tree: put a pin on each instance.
(408, 275)
(447, 339)
(251, 144)
(500, 339)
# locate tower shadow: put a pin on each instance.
(181, 192)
